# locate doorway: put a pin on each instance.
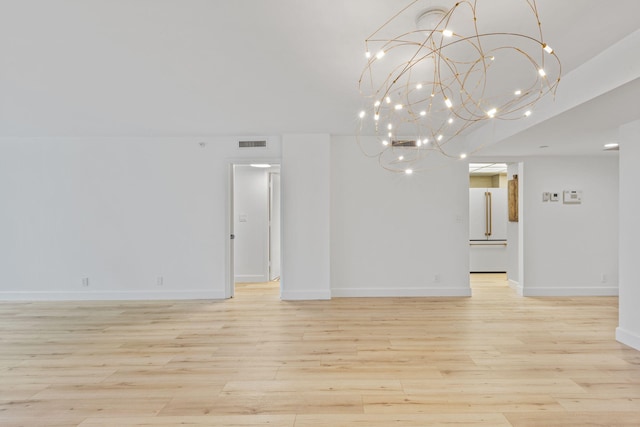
(254, 222)
(495, 231)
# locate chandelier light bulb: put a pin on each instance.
(408, 171)
(463, 156)
(385, 142)
(389, 126)
(367, 54)
(362, 114)
(467, 84)
(401, 158)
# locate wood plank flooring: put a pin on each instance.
(495, 359)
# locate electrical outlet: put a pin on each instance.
(436, 278)
(160, 281)
(85, 281)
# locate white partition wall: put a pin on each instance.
(628, 331)
(305, 180)
(116, 218)
(394, 234)
(570, 249)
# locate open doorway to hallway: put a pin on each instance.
(255, 213)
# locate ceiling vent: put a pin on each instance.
(252, 144)
(404, 143)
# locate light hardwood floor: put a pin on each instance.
(495, 359)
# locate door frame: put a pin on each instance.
(229, 289)
(270, 226)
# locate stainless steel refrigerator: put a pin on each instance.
(488, 218)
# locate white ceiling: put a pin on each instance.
(245, 67)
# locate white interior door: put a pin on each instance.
(231, 274)
(274, 226)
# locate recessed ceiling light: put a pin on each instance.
(611, 145)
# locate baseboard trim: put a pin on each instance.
(514, 284)
(110, 296)
(304, 295)
(602, 291)
(627, 337)
(400, 292)
(251, 278)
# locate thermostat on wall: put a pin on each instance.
(572, 196)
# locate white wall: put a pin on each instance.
(251, 222)
(568, 248)
(628, 331)
(393, 234)
(121, 212)
(305, 217)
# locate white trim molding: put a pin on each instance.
(110, 296)
(304, 295)
(554, 291)
(515, 285)
(628, 338)
(401, 292)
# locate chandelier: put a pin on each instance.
(432, 73)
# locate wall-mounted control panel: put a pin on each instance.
(568, 196)
(572, 196)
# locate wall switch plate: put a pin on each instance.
(555, 197)
(546, 196)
